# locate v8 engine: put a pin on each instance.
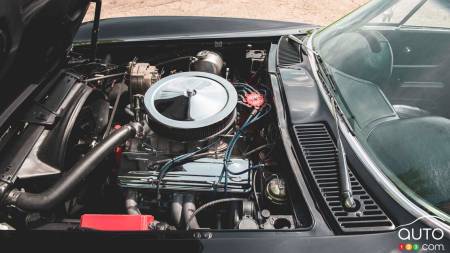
(185, 111)
(197, 124)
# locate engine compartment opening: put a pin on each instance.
(206, 153)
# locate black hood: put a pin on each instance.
(34, 38)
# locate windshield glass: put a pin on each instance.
(391, 64)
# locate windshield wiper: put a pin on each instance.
(347, 198)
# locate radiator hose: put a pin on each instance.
(65, 186)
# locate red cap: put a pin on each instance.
(254, 99)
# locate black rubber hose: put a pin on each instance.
(62, 189)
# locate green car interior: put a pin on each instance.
(392, 72)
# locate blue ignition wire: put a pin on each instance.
(250, 120)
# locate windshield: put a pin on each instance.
(391, 64)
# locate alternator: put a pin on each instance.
(141, 77)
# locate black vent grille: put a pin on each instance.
(320, 154)
(288, 53)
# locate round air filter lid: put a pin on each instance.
(190, 100)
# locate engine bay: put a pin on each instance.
(202, 151)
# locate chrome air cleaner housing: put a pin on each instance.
(191, 106)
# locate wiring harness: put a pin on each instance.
(259, 111)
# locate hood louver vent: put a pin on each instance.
(288, 53)
(320, 155)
